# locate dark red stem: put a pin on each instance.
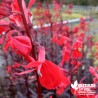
(27, 29)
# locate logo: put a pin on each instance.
(83, 89)
(75, 85)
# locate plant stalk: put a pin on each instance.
(27, 29)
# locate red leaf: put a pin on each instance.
(31, 2)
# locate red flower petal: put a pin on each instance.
(25, 11)
(8, 69)
(5, 10)
(60, 39)
(4, 29)
(76, 54)
(65, 56)
(70, 6)
(56, 5)
(31, 2)
(20, 44)
(4, 22)
(41, 54)
(16, 65)
(93, 72)
(52, 76)
(7, 1)
(77, 44)
(33, 65)
(75, 29)
(17, 18)
(24, 72)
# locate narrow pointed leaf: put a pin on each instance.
(31, 2)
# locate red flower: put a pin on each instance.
(46, 13)
(65, 29)
(17, 19)
(56, 5)
(8, 69)
(49, 72)
(68, 12)
(76, 54)
(78, 44)
(74, 62)
(65, 56)
(50, 76)
(75, 29)
(83, 24)
(96, 55)
(60, 39)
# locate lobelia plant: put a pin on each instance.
(36, 52)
